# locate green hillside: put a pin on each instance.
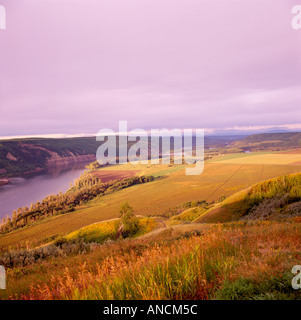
(271, 199)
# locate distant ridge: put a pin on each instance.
(269, 140)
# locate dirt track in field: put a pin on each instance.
(296, 151)
(110, 175)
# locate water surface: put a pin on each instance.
(22, 192)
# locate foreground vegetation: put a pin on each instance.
(240, 260)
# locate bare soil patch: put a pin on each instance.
(110, 175)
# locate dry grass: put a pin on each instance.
(179, 267)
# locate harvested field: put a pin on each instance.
(267, 159)
(110, 175)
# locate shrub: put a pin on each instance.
(129, 224)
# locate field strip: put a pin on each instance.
(272, 159)
(225, 182)
(261, 176)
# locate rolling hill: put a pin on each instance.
(270, 199)
(23, 156)
(272, 141)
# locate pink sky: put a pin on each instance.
(70, 66)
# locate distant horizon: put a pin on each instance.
(208, 132)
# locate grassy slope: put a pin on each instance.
(239, 204)
(230, 261)
(190, 214)
(107, 230)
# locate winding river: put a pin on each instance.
(22, 192)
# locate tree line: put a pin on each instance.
(84, 189)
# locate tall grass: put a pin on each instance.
(196, 267)
(286, 185)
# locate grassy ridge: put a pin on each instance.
(108, 230)
(286, 189)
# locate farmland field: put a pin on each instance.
(171, 188)
(262, 158)
(109, 175)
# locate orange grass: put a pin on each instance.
(192, 267)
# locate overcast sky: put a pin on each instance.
(78, 66)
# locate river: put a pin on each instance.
(22, 192)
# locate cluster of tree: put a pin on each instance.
(94, 165)
(84, 189)
(129, 223)
(181, 208)
(193, 204)
(25, 257)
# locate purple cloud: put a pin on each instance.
(70, 66)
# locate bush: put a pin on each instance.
(22, 258)
(129, 224)
(276, 287)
